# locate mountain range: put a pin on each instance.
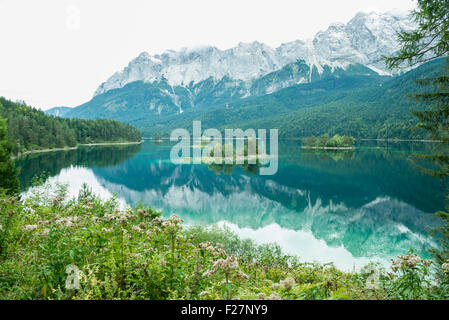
(363, 40)
(254, 84)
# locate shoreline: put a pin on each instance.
(357, 139)
(401, 140)
(74, 148)
(328, 148)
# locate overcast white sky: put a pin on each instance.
(57, 52)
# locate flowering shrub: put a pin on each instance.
(411, 278)
(52, 247)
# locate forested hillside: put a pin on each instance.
(358, 106)
(32, 129)
(154, 101)
(354, 103)
(260, 112)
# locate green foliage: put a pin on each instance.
(433, 116)
(442, 233)
(118, 253)
(428, 41)
(248, 156)
(431, 37)
(325, 141)
(9, 182)
(31, 129)
(413, 280)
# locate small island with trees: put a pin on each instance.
(337, 142)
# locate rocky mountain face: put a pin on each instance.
(364, 40)
(176, 81)
(58, 111)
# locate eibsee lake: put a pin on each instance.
(346, 207)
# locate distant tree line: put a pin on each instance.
(31, 129)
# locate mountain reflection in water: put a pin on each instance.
(343, 207)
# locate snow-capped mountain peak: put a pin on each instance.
(364, 40)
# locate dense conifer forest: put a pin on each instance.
(32, 129)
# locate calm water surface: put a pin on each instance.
(346, 207)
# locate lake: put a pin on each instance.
(346, 207)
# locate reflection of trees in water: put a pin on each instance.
(51, 163)
(436, 162)
(374, 168)
(252, 169)
(157, 140)
(354, 180)
(351, 177)
(325, 155)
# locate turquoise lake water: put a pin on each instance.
(346, 207)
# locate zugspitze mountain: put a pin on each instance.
(363, 40)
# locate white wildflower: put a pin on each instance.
(445, 267)
(274, 296)
(275, 286)
(204, 293)
(29, 227)
(288, 283)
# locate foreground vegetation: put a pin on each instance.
(48, 242)
(52, 247)
(31, 129)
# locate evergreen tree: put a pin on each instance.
(429, 41)
(9, 183)
(31, 129)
